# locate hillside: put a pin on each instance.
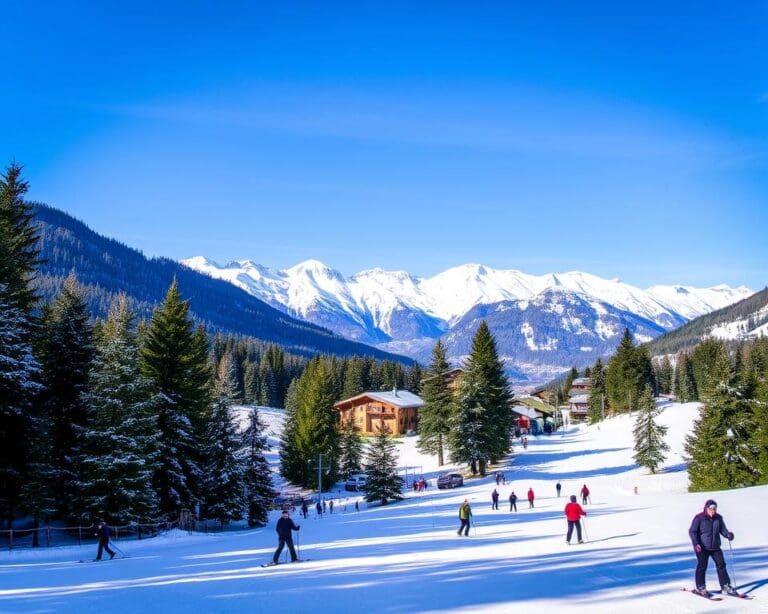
(105, 267)
(743, 320)
(406, 557)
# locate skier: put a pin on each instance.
(705, 532)
(573, 514)
(103, 532)
(558, 486)
(525, 443)
(495, 499)
(584, 494)
(330, 505)
(319, 508)
(304, 509)
(465, 515)
(357, 505)
(284, 529)
(530, 498)
(512, 501)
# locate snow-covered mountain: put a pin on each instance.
(543, 323)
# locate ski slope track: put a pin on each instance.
(406, 557)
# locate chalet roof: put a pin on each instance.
(579, 398)
(582, 381)
(398, 398)
(524, 410)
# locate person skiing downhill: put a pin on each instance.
(558, 486)
(285, 527)
(573, 514)
(103, 532)
(465, 515)
(530, 498)
(495, 499)
(706, 529)
(512, 501)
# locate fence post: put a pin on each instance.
(48, 536)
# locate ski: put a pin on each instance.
(738, 595)
(271, 564)
(708, 596)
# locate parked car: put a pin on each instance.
(450, 480)
(357, 481)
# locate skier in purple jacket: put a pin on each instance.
(705, 532)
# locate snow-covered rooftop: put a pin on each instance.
(398, 398)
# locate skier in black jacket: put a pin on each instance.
(103, 532)
(284, 529)
(705, 532)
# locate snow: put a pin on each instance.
(406, 557)
(376, 295)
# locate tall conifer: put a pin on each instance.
(648, 434)
(434, 415)
(257, 473)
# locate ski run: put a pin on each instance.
(406, 557)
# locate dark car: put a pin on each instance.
(450, 480)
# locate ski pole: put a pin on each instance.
(733, 567)
(298, 549)
(584, 528)
(116, 547)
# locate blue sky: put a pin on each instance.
(625, 140)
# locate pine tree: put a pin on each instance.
(351, 450)
(664, 373)
(311, 428)
(413, 379)
(19, 370)
(257, 473)
(170, 358)
(223, 484)
(482, 425)
(711, 368)
(597, 400)
(251, 383)
(685, 388)
(354, 378)
(628, 372)
(649, 436)
(66, 358)
(119, 447)
(434, 415)
(381, 465)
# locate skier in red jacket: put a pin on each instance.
(573, 513)
(584, 494)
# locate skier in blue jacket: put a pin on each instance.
(705, 532)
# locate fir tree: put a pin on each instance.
(66, 358)
(351, 446)
(628, 372)
(170, 358)
(711, 368)
(413, 379)
(482, 425)
(311, 428)
(223, 485)
(381, 465)
(597, 393)
(434, 415)
(354, 378)
(119, 447)
(685, 388)
(649, 436)
(19, 372)
(257, 473)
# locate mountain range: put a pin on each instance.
(543, 324)
(105, 267)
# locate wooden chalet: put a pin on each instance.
(578, 398)
(396, 410)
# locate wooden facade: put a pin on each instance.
(396, 411)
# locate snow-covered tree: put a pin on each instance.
(352, 453)
(381, 465)
(434, 415)
(649, 435)
(257, 472)
(170, 358)
(222, 479)
(66, 357)
(120, 444)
